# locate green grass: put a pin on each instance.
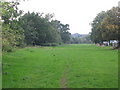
(0, 69)
(71, 66)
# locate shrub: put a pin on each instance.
(49, 44)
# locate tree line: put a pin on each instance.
(81, 40)
(106, 26)
(29, 29)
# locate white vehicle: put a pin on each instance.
(114, 43)
(106, 43)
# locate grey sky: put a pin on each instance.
(77, 13)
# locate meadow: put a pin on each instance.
(66, 66)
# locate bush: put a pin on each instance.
(6, 46)
(54, 44)
(49, 44)
(11, 39)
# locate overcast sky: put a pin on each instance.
(77, 13)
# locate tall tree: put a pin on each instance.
(111, 24)
(12, 33)
(63, 31)
(96, 34)
(39, 29)
(105, 26)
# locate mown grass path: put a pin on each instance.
(68, 66)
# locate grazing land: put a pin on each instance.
(67, 66)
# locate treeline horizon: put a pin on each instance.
(29, 29)
(106, 26)
(33, 28)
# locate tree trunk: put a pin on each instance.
(109, 43)
(118, 44)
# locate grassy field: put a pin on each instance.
(68, 66)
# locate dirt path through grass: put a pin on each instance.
(69, 66)
(64, 80)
